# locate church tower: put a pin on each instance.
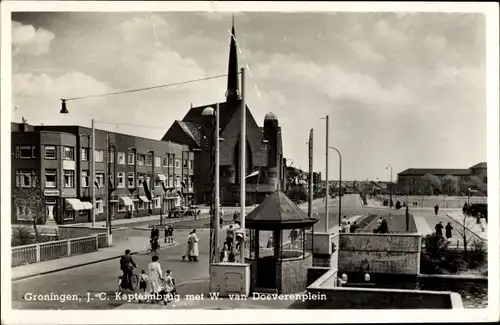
(233, 91)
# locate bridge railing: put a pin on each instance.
(41, 252)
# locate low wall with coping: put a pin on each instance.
(380, 253)
(367, 298)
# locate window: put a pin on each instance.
(130, 180)
(121, 158)
(149, 159)
(170, 162)
(99, 155)
(99, 179)
(157, 181)
(68, 153)
(85, 154)
(25, 152)
(69, 178)
(69, 215)
(140, 205)
(111, 158)
(99, 206)
(190, 164)
(140, 178)
(121, 179)
(50, 152)
(26, 178)
(177, 181)
(157, 161)
(190, 182)
(141, 160)
(185, 164)
(157, 202)
(165, 162)
(50, 178)
(148, 180)
(170, 181)
(85, 178)
(131, 157)
(177, 163)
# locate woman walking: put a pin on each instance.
(187, 248)
(193, 246)
(448, 230)
(155, 276)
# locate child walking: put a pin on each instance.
(143, 282)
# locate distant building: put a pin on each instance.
(415, 181)
(264, 154)
(56, 161)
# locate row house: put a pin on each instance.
(57, 170)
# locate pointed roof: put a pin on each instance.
(232, 92)
(278, 212)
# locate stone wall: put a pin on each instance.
(66, 232)
(380, 253)
(294, 274)
(364, 298)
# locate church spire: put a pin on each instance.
(232, 92)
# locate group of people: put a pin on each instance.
(439, 229)
(382, 226)
(347, 226)
(155, 237)
(152, 280)
(231, 248)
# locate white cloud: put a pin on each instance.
(26, 39)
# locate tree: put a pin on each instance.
(434, 184)
(449, 182)
(31, 201)
(463, 229)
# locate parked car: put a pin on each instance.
(177, 212)
(475, 208)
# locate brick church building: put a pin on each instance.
(265, 163)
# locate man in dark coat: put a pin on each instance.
(155, 233)
(448, 230)
(436, 209)
(127, 264)
(439, 229)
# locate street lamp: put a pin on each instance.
(209, 112)
(390, 191)
(340, 183)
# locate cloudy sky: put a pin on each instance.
(401, 89)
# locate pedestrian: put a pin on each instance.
(465, 209)
(439, 229)
(448, 230)
(170, 234)
(155, 233)
(193, 246)
(187, 248)
(224, 254)
(383, 228)
(155, 276)
(230, 237)
(166, 234)
(343, 225)
(353, 227)
(482, 222)
(436, 209)
(293, 237)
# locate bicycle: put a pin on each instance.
(134, 280)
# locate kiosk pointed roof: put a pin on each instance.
(277, 211)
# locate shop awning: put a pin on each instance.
(87, 205)
(161, 177)
(75, 204)
(126, 200)
(143, 198)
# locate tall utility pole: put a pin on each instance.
(340, 183)
(310, 173)
(327, 227)
(108, 183)
(243, 149)
(217, 185)
(92, 173)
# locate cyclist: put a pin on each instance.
(127, 264)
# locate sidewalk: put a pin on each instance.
(104, 254)
(470, 223)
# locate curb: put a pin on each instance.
(80, 264)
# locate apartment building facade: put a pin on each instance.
(54, 162)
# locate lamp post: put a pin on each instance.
(340, 183)
(390, 191)
(243, 149)
(327, 190)
(216, 222)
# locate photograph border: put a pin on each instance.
(9, 316)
